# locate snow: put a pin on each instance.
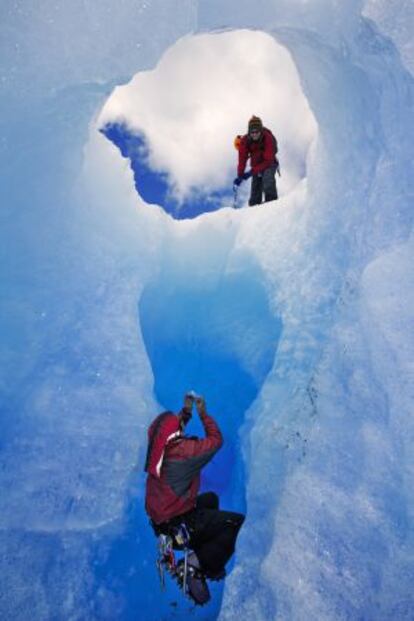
(299, 314)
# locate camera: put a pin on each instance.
(192, 395)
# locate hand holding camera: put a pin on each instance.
(200, 405)
(190, 398)
(188, 402)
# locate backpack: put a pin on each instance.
(238, 140)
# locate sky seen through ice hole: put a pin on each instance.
(177, 123)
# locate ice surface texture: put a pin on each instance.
(327, 445)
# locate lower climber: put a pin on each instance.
(173, 464)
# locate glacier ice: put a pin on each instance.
(326, 445)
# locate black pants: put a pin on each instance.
(264, 183)
(213, 532)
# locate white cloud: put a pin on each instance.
(201, 95)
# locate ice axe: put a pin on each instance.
(236, 184)
(235, 195)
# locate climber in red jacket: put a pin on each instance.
(261, 146)
(173, 464)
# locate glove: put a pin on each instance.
(242, 177)
(187, 407)
(200, 405)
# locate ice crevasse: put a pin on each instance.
(305, 305)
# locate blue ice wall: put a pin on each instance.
(186, 328)
(190, 331)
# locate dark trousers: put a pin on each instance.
(263, 183)
(213, 533)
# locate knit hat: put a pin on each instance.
(255, 123)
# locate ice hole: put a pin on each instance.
(207, 326)
(218, 337)
(177, 123)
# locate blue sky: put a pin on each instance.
(153, 186)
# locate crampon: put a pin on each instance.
(190, 579)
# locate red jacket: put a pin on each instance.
(172, 487)
(262, 152)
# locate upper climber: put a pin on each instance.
(261, 146)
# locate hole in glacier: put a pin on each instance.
(211, 330)
(176, 124)
(218, 338)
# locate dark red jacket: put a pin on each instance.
(172, 487)
(262, 152)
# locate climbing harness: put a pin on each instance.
(166, 558)
(166, 561)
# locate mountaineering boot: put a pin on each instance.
(197, 587)
(193, 560)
